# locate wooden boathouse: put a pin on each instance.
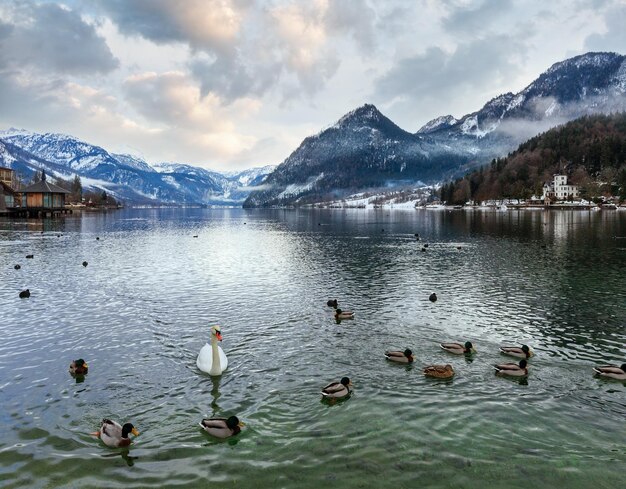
(42, 199)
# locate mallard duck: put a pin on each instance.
(439, 371)
(79, 367)
(611, 371)
(222, 427)
(405, 356)
(512, 369)
(212, 359)
(338, 389)
(114, 435)
(332, 303)
(339, 314)
(458, 348)
(514, 351)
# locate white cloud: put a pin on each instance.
(239, 83)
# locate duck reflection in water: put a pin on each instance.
(124, 453)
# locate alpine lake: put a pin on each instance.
(157, 279)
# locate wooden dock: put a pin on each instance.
(34, 212)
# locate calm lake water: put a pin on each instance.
(141, 311)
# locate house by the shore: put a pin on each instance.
(559, 189)
(43, 199)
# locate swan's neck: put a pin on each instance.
(216, 367)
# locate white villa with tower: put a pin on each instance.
(559, 189)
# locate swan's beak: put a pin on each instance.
(134, 431)
(218, 335)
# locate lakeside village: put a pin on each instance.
(42, 198)
(557, 194)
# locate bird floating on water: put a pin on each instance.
(405, 356)
(85, 263)
(458, 348)
(222, 427)
(212, 359)
(340, 314)
(337, 390)
(332, 303)
(514, 351)
(25, 294)
(17, 267)
(512, 369)
(113, 435)
(439, 371)
(611, 371)
(79, 367)
(432, 297)
(30, 256)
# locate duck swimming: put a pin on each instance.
(339, 314)
(439, 371)
(25, 294)
(79, 367)
(611, 371)
(113, 435)
(332, 303)
(337, 390)
(405, 356)
(212, 359)
(514, 351)
(512, 369)
(222, 427)
(458, 348)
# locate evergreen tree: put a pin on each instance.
(77, 189)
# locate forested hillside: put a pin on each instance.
(590, 150)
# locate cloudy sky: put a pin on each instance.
(231, 84)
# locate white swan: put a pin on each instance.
(212, 358)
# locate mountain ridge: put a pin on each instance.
(444, 147)
(125, 176)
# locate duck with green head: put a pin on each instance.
(514, 351)
(512, 369)
(114, 435)
(405, 356)
(222, 427)
(458, 348)
(337, 390)
(611, 371)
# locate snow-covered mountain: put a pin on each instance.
(587, 84)
(125, 176)
(364, 149)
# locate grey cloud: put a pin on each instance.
(437, 81)
(49, 37)
(147, 18)
(436, 72)
(167, 21)
(476, 19)
(231, 79)
(614, 39)
(355, 17)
